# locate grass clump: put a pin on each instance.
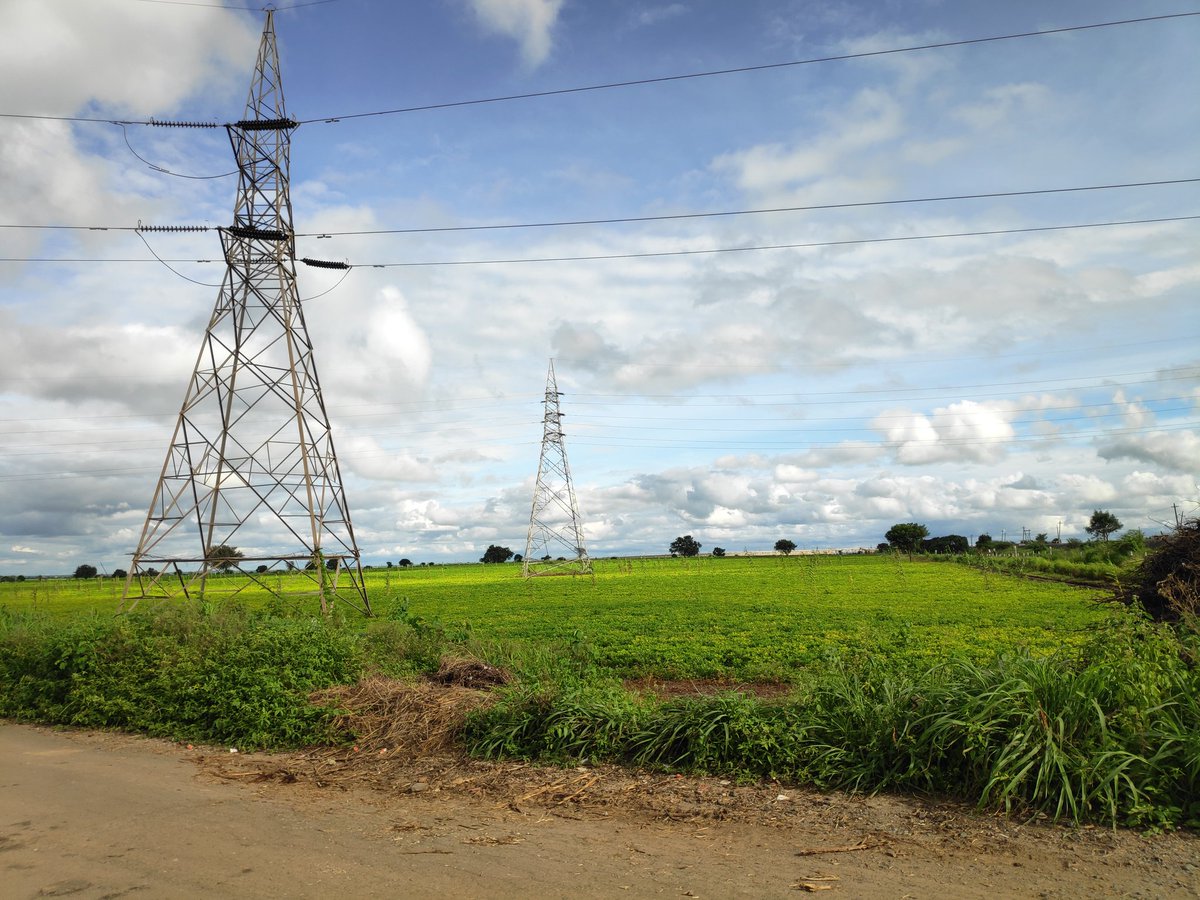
(555, 723)
(729, 734)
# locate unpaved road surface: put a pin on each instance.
(97, 815)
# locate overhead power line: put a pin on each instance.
(669, 217)
(798, 246)
(866, 54)
(752, 212)
(651, 254)
(841, 57)
(165, 171)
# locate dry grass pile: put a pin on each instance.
(405, 733)
(469, 673)
(399, 718)
(1168, 580)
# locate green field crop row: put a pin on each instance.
(738, 618)
(750, 618)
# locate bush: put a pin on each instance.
(223, 676)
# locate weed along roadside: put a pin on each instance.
(888, 675)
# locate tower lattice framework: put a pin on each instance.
(251, 464)
(554, 544)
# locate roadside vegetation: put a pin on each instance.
(886, 675)
(1107, 563)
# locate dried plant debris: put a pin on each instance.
(469, 673)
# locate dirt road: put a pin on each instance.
(92, 815)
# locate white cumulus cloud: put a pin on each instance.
(529, 22)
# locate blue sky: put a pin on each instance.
(992, 383)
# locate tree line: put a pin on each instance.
(906, 537)
(913, 537)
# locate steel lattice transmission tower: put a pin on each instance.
(251, 464)
(554, 545)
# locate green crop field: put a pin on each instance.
(911, 675)
(749, 618)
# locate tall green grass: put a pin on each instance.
(1109, 733)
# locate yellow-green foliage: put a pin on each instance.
(738, 617)
(750, 617)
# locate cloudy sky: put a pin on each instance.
(1036, 366)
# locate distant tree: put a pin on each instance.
(883, 547)
(261, 569)
(950, 543)
(85, 571)
(718, 552)
(404, 563)
(1102, 524)
(518, 557)
(784, 546)
(496, 554)
(907, 536)
(685, 546)
(120, 573)
(1041, 538)
(224, 557)
(331, 564)
(983, 542)
(389, 565)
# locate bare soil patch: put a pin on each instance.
(100, 815)
(706, 687)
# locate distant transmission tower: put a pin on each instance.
(251, 464)
(554, 545)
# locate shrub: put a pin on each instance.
(1167, 582)
(192, 673)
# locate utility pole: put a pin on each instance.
(251, 464)
(555, 529)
